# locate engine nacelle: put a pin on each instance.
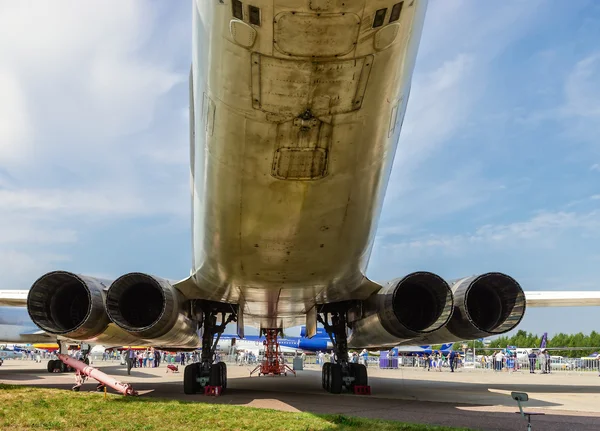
(418, 304)
(72, 306)
(152, 309)
(484, 305)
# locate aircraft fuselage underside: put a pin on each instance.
(296, 110)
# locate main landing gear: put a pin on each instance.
(205, 373)
(58, 366)
(341, 373)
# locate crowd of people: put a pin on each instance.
(152, 358)
(507, 361)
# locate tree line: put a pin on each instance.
(529, 340)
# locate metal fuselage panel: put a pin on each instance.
(296, 110)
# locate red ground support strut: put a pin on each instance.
(273, 362)
(362, 390)
(213, 390)
(82, 368)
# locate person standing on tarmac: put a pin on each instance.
(452, 359)
(130, 359)
(542, 358)
(532, 357)
(365, 357)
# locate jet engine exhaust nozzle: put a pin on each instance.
(418, 304)
(488, 304)
(151, 309)
(67, 304)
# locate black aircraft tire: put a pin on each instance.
(223, 375)
(50, 366)
(326, 376)
(359, 372)
(190, 373)
(336, 381)
(62, 366)
(215, 378)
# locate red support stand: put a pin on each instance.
(273, 363)
(362, 390)
(213, 390)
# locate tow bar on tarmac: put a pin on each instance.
(104, 379)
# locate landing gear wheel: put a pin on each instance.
(335, 382)
(62, 366)
(326, 376)
(216, 376)
(51, 365)
(190, 375)
(359, 372)
(223, 375)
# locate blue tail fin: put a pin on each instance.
(544, 340)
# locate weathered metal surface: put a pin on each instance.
(285, 205)
(72, 306)
(289, 88)
(151, 309)
(243, 34)
(302, 34)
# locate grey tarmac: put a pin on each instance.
(475, 399)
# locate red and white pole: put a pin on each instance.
(124, 388)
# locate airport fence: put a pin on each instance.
(480, 364)
(483, 364)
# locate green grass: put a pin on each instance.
(23, 408)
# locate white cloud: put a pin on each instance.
(595, 167)
(17, 232)
(51, 203)
(20, 269)
(449, 85)
(544, 228)
(79, 70)
(582, 89)
(15, 124)
(579, 110)
(81, 88)
(440, 104)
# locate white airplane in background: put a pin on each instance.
(296, 109)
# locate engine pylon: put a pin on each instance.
(273, 363)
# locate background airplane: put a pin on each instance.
(17, 327)
(255, 343)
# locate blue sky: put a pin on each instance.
(498, 166)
